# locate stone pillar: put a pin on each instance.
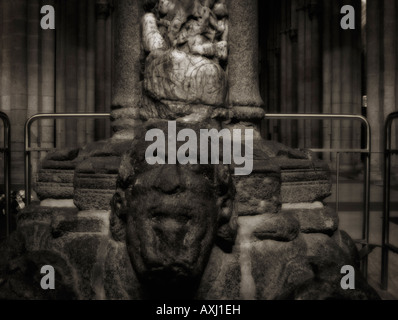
(47, 64)
(127, 90)
(81, 71)
(90, 69)
(374, 83)
(243, 59)
(102, 14)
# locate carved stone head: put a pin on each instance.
(171, 216)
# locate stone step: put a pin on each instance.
(306, 191)
(90, 199)
(313, 217)
(54, 190)
(95, 181)
(59, 176)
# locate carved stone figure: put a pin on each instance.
(170, 217)
(186, 44)
(183, 231)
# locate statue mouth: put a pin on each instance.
(179, 215)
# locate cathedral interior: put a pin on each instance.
(307, 64)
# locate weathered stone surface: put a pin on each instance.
(222, 278)
(58, 165)
(89, 199)
(314, 218)
(127, 60)
(105, 148)
(322, 249)
(58, 203)
(278, 267)
(296, 192)
(257, 194)
(23, 276)
(66, 154)
(345, 242)
(81, 222)
(125, 113)
(176, 110)
(95, 181)
(243, 54)
(176, 75)
(279, 227)
(49, 190)
(185, 43)
(292, 163)
(327, 259)
(247, 113)
(305, 175)
(75, 243)
(34, 214)
(122, 126)
(96, 173)
(58, 176)
(99, 165)
(55, 178)
(82, 252)
(120, 281)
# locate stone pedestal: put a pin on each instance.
(267, 235)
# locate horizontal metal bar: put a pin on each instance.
(392, 248)
(319, 116)
(28, 149)
(39, 149)
(340, 150)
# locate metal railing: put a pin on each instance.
(28, 149)
(366, 151)
(7, 168)
(386, 245)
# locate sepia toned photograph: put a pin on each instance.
(198, 150)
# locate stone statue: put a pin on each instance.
(186, 240)
(183, 231)
(171, 216)
(186, 47)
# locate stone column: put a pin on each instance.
(47, 64)
(374, 83)
(243, 66)
(127, 65)
(102, 14)
(90, 70)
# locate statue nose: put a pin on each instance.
(169, 180)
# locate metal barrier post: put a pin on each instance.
(28, 148)
(386, 246)
(367, 151)
(7, 168)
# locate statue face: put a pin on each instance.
(166, 6)
(172, 219)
